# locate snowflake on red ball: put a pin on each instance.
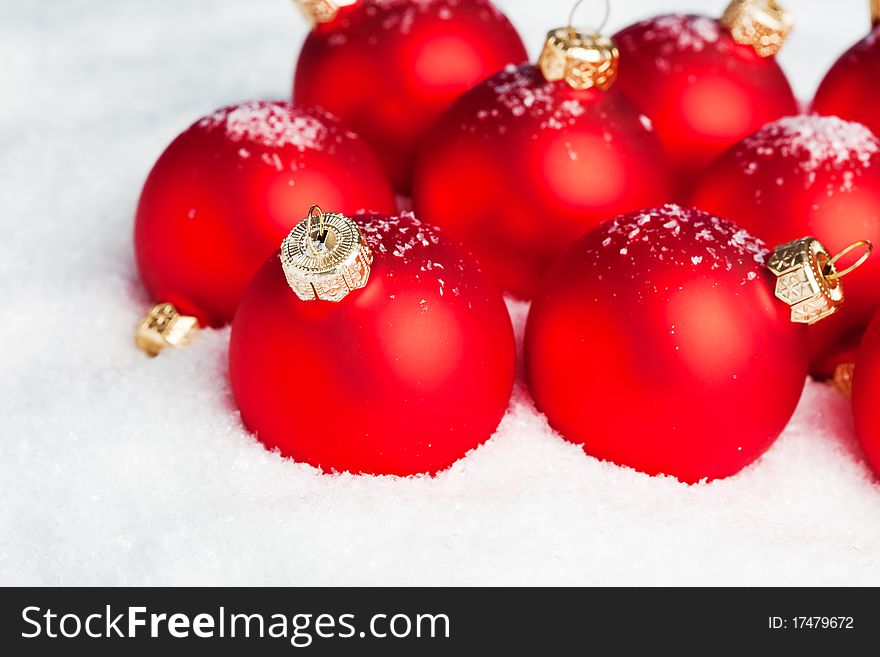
(663, 341)
(391, 354)
(388, 68)
(525, 162)
(808, 175)
(849, 89)
(224, 194)
(706, 83)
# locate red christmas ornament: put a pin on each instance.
(388, 68)
(705, 83)
(808, 175)
(225, 193)
(866, 393)
(527, 161)
(849, 89)
(656, 341)
(397, 367)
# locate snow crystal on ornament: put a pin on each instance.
(677, 33)
(401, 14)
(406, 237)
(816, 142)
(683, 237)
(686, 32)
(398, 235)
(274, 125)
(421, 5)
(520, 91)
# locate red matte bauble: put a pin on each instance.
(401, 377)
(702, 90)
(866, 394)
(389, 67)
(801, 176)
(519, 167)
(850, 88)
(226, 192)
(656, 342)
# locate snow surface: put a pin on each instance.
(117, 469)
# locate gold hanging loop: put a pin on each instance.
(322, 228)
(834, 274)
(602, 25)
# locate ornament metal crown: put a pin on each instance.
(164, 327)
(325, 259)
(762, 24)
(807, 278)
(583, 59)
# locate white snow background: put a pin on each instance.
(118, 469)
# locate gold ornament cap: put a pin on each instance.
(322, 11)
(807, 278)
(325, 257)
(164, 327)
(875, 13)
(584, 60)
(762, 24)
